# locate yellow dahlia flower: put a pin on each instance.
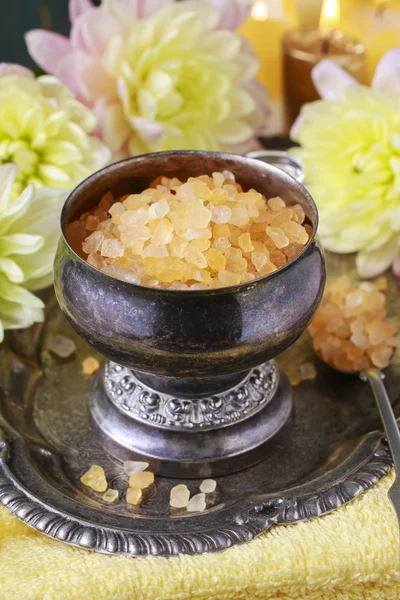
(46, 131)
(350, 147)
(29, 232)
(158, 74)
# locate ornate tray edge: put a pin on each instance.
(248, 522)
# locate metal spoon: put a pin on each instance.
(375, 378)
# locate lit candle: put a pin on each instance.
(264, 29)
(303, 49)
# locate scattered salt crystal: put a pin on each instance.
(133, 495)
(197, 503)
(90, 365)
(141, 479)
(95, 479)
(179, 496)
(307, 371)
(62, 346)
(208, 486)
(110, 495)
(132, 466)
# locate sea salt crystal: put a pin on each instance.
(62, 346)
(131, 466)
(197, 503)
(95, 479)
(112, 248)
(159, 209)
(179, 496)
(133, 496)
(208, 486)
(93, 242)
(307, 371)
(90, 365)
(141, 479)
(110, 496)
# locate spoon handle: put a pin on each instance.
(375, 379)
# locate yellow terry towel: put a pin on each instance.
(351, 554)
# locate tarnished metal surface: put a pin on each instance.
(332, 453)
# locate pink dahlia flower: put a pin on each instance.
(159, 75)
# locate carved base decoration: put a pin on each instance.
(135, 399)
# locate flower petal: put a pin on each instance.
(374, 262)
(20, 243)
(77, 8)
(8, 173)
(233, 12)
(10, 268)
(148, 130)
(13, 69)
(387, 74)
(47, 48)
(114, 126)
(331, 80)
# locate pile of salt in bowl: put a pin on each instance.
(202, 233)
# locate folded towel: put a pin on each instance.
(350, 554)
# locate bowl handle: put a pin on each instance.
(282, 160)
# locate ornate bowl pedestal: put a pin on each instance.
(187, 434)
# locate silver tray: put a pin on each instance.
(333, 452)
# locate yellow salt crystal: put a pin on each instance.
(238, 266)
(295, 232)
(258, 259)
(215, 259)
(276, 203)
(268, 268)
(246, 277)
(141, 479)
(93, 242)
(244, 241)
(197, 217)
(229, 278)
(253, 211)
(277, 258)
(195, 234)
(277, 235)
(96, 261)
(155, 250)
(163, 233)
(90, 365)
(201, 244)
(110, 496)
(222, 243)
(239, 216)
(92, 223)
(159, 209)
(221, 230)
(133, 496)
(179, 496)
(298, 213)
(281, 216)
(112, 248)
(260, 247)
(233, 254)
(196, 257)
(177, 247)
(221, 214)
(219, 197)
(95, 479)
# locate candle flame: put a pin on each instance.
(330, 14)
(259, 12)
